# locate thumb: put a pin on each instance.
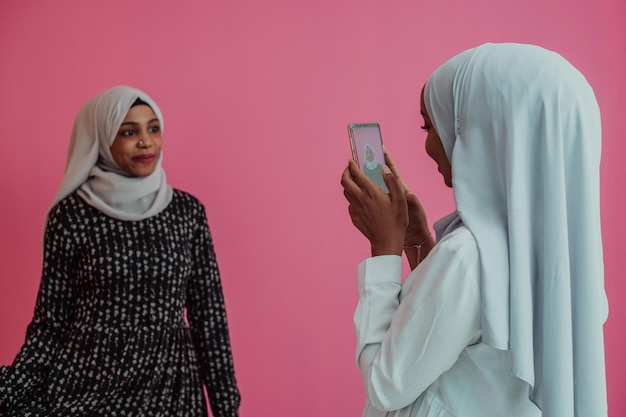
(396, 191)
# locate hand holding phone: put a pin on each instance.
(367, 150)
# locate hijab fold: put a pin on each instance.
(90, 167)
(521, 127)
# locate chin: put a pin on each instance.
(143, 173)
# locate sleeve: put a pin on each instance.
(404, 346)
(206, 314)
(54, 310)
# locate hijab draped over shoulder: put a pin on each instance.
(90, 167)
(521, 128)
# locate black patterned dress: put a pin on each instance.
(109, 336)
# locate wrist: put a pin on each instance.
(418, 240)
(416, 253)
(386, 249)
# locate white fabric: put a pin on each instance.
(418, 342)
(521, 127)
(90, 168)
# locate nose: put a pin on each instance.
(145, 140)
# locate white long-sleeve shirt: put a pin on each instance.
(419, 344)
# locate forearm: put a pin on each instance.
(206, 313)
(212, 345)
(31, 366)
(407, 337)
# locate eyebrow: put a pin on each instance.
(423, 113)
(137, 124)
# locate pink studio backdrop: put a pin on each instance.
(256, 98)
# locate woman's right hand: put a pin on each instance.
(417, 230)
(381, 217)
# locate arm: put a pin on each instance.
(418, 241)
(404, 346)
(207, 319)
(53, 316)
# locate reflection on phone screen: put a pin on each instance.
(367, 149)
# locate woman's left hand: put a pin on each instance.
(381, 217)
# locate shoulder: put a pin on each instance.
(67, 210)
(184, 197)
(454, 262)
(188, 207)
(458, 243)
(69, 218)
(186, 200)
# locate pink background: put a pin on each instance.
(256, 97)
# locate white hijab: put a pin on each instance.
(90, 167)
(373, 163)
(521, 127)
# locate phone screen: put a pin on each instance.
(367, 150)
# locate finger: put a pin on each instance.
(349, 185)
(412, 200)
(390, 162)
(396, 190)
(351, 198)
(394, 169)
(361, 180)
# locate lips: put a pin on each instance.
(144, 159)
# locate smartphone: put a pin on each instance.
(366, 143)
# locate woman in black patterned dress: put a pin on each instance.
(130, 317)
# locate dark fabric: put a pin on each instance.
(109, 335)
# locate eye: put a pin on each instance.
(126, 132)
(425, 127)
(155, 129)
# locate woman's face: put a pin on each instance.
(137, 146)
(369, 154)
(434, 147)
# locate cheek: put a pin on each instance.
(117, 151)
(428, 146)
(158, 142)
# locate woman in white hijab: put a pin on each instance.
(126, 260)
(503, 315)
(372, 168)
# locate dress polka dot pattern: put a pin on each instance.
(109, 335)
